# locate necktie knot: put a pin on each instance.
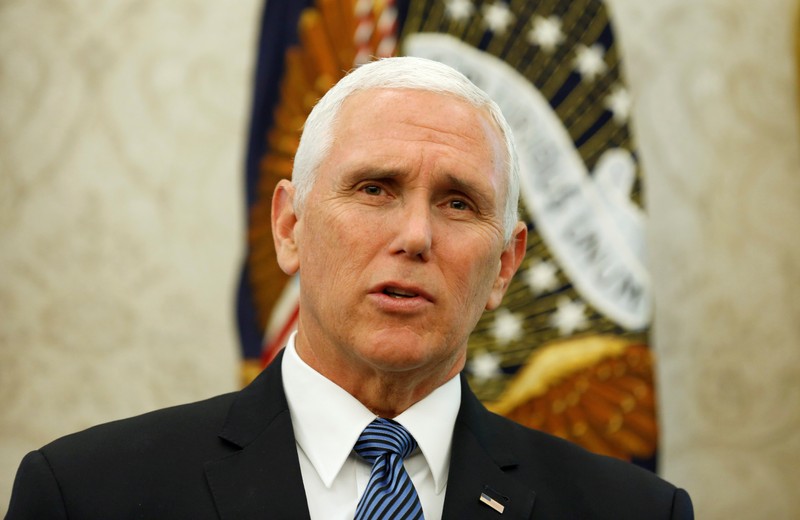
(384, 436)
(390, 494)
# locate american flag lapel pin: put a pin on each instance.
(494, 504)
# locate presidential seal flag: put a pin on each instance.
(567, 351)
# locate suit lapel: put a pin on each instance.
(261, 478)
(480, 463)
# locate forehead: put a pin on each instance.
(439, 112)
(404, 123)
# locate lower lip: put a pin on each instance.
(391, 304)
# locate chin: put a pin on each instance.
(397, 361)
(404, 353)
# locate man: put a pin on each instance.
(401, 220)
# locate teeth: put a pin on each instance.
(399, 293)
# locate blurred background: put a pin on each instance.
(124, 219)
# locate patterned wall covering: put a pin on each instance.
(718, 125)
(121, 131)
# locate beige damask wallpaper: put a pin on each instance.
(718, 124)
(121, 131)
(121, 137)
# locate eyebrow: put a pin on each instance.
(455, 183)
(470, 189)
(372, 172)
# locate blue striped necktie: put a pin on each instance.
(390, 494)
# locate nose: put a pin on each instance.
(414, 232)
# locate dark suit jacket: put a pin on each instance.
(234, 457)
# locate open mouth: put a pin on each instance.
(394, 292)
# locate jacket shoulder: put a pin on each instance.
(145, 434)
(153, 462)
(571, 482)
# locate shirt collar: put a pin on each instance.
(431, 422)
(327, 429)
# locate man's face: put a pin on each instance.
(400, 242)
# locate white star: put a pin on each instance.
(569, 316)
(589, 61)
(546, 33)
(459, 10)
(619, 103)
(541, 276)
(497, 17)
(507, 326)
(485, 366)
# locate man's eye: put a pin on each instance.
(372, 189)
(459, 205)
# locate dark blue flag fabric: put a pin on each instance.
(567, 352)
(278, 33)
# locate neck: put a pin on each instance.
(386, 393)
(389, 397)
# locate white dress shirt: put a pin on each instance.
(327, 421)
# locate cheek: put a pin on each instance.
(475, 280)
(327, 253)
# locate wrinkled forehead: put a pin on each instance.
(425, 116)
(378, 106)
(405, 95)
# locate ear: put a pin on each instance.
(510, 260)
(284, 223)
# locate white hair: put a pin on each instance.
(398, 73)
